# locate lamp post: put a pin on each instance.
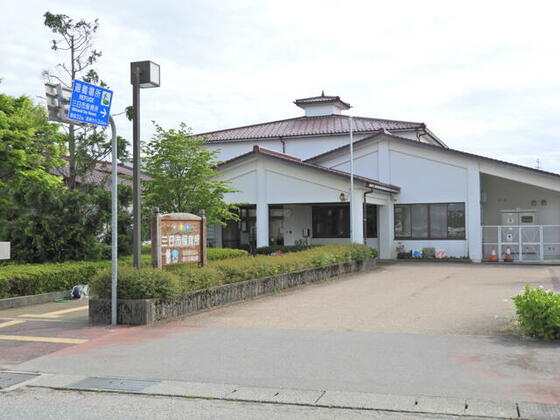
(143, 74)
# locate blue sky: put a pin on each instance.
(482, 75)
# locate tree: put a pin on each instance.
(30, 147)
(39, 215)
(182, 176)
(86, 146)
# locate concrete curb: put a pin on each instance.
(313, 398)
(19, 301)
(147, 311)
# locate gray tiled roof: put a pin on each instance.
(101, 174)
(307, 126)
(323, 99)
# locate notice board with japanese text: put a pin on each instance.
(178, 238)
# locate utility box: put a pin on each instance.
(4, 250)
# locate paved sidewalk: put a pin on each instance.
(418, 404)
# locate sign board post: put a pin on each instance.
(178, 238)
(5, 250)
(91, 104)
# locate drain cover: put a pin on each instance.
(112, 384)
(8, 379)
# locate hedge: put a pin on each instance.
(32, 279)
(183, 278)
(267, 250)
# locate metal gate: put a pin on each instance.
(526, 243)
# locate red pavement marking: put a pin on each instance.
(127, 336)
(13, 352)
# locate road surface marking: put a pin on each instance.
(9, 323)
(55, 314)
(43, 339)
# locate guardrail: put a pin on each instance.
(525, 242)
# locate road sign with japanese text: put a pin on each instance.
(90, 104)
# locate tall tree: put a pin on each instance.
(76, 39)
(30, 146)
(39, 215)
(182, 176)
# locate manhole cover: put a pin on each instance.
(112, 384)
(8, 379)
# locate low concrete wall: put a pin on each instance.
(146, 311)
(19, 301)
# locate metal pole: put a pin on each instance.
(136, 188)
(114, 221)
(351, 123)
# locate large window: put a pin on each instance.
(430, 221)
(332, 221)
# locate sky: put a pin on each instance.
(483, 75)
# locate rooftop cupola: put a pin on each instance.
(322, 105)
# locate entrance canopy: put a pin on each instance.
(275, 188)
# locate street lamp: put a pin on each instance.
(143, 74)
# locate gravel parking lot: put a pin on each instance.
(405, 297)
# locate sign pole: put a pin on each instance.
(114, 222)
(136, 189)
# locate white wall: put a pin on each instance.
(504, 194)
(453, 248)
(306, 148)
(425, 180)
(234, 149)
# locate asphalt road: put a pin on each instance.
(422, 329)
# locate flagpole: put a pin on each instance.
(352, 203)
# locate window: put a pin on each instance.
(430, 221)
(331, 221)
(371, 221)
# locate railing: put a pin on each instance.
(525, 242)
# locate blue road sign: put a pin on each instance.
(90, 104)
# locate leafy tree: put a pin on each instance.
(30, 146)
(182, 176)
(86, 146)
(44, 220)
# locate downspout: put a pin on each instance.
(283, 145)
(365, 213)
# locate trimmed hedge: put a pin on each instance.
(214, 254)
(184, 278)
(538, 313)
(33, 279)
(137, 284)
(267, 250)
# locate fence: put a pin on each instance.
(526, 242)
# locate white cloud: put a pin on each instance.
(482, 75)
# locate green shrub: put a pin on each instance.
(195, 278)
(32, 279)
(224, 253)
(538, 313)
(212, 254)
(225, 266)
(146, 283)
(267, 250)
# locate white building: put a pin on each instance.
(411, 191)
